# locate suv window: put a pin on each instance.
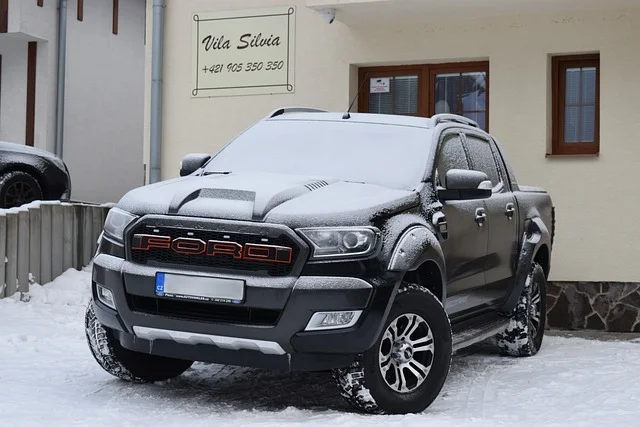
(481, 158)
(452, 156)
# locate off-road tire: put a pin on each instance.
(126, 364)
(363, 385)
(522, 337)
(25, 181)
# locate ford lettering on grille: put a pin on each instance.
(213, 248)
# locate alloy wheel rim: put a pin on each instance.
(535, 313)
(406, 353)
(18, 194)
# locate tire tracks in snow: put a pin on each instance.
(471, 381)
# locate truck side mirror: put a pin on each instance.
(462, 184)
(192, 162)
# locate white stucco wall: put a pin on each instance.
(30, 22)
(13, 93)
(596, 198)
(40, 22)
(104, 100)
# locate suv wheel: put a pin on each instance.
(407, 367)
(17, 189)
(126, 364)
(523, 336)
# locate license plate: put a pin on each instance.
(200, 288)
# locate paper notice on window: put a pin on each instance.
(380, 85)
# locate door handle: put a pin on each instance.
(481, 216)
(510, 211)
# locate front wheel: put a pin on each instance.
(126, 364)
(407, 367)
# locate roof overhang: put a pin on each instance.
(362, 12)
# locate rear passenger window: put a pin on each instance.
(481, 158)
(452, 156)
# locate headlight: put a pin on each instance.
(117, 220)
(335, 242)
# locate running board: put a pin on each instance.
(474, 335)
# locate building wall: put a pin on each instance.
(40, 22)
(104, 99)
(13, 90)
(30, 22)
(596, 197)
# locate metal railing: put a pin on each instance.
(41, 240)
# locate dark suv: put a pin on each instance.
(374, 246)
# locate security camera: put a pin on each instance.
(329, 15)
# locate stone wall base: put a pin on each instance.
(608, 306)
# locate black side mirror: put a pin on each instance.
(192, 162)
(465, 185)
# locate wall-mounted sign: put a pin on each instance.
(245, 52)
(380, 85)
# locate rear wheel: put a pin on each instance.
(406, 368)
(523, 336)
(126, 364)
(18, 188)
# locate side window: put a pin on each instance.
(452, 156)
(482, 159)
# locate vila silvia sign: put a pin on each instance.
(248, 52)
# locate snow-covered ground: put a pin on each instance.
(48, 377)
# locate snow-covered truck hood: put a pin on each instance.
(296, 201)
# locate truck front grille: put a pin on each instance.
(159, 253)
(198, 311)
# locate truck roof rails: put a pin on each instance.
(286, 110)
(443, 118)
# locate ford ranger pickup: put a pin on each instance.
(370, 246)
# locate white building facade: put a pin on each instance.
(554, 82)
(103, 98)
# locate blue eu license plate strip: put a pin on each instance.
(200, 288)
(160, 284)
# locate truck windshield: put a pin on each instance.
(389, 155)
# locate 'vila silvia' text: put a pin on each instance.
(248, 40)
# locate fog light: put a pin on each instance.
(333, 320)
(106, 297)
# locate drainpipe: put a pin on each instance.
(62, 63)
(157, 48)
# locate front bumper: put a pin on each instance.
(281, 345)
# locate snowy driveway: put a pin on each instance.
(48, 378)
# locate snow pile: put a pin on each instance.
(49, 309)
(48, 377)
(73, 288)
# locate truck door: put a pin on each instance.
(465, 248)
(502, 217)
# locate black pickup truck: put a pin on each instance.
(371, 246)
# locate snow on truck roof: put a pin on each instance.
(301, 113)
